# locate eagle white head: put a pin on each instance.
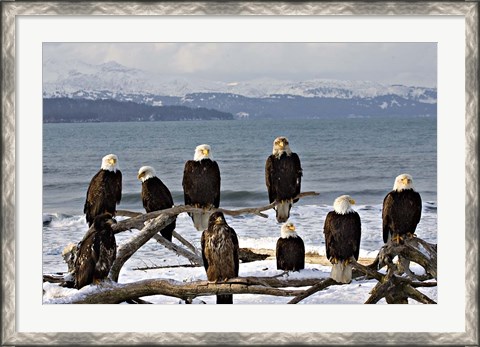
(343, 204)
(110, 162)
(403, 181)
(280, 145)
(203, 152)
(288, 230)
(146, 172)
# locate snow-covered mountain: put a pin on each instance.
(74, 78)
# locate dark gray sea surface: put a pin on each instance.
(356, 156)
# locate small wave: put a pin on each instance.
(62, 220)
(430, 206)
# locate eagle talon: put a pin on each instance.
(397, 239)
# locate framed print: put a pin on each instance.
(47, 50)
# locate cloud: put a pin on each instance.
(391, 63)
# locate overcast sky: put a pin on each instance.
(389, 63)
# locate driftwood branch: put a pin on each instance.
(192, 257)
(127, 249)
(137, 219)
(324, 283)
(395, 288)
(412, 249)
(114, 293)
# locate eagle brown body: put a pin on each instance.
(401, 213)
(402, 210)
(201, 186)
(156, 196)
(290, 250)
(343, 231)
(104, 191)
(220, 253)
(283, 177)
(95, 253)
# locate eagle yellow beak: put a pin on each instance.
(111, 161)
(205, 151)
(351, 201)
(219, 220)
(406, 181)
(140, 175)
(291, 227)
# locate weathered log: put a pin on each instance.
(127, 249)
(366, 270)
(193, 258)
(397, 290)
(324, 283)
(412, 249)
(392, 286)
(114, 293)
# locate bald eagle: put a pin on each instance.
(342, 231)
(105, 190)
(402, 209)
(156, 196)
(290, 249)
(220, 252)
(201, 185)
(283, 176)
(96, 252)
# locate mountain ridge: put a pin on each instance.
(260, 98)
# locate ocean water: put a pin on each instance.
(360, 157)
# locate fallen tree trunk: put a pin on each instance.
(115, 293)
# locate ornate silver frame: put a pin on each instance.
(12, 9)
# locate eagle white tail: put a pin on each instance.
(283, 210)
(341, 273)
(200, 220)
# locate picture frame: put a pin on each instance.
(12, 11)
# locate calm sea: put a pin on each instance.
(360, 157)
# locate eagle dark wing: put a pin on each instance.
(298, 173)
(106, 251)
(328, 231)
(269, 179)
(356, 234)
(203, 241)
(87, 256)
(387, 211)
(417, 206)
(215, 182)
(95, 193)
(117, 182)
(236, 260)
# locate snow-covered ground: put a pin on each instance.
(357, 292)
